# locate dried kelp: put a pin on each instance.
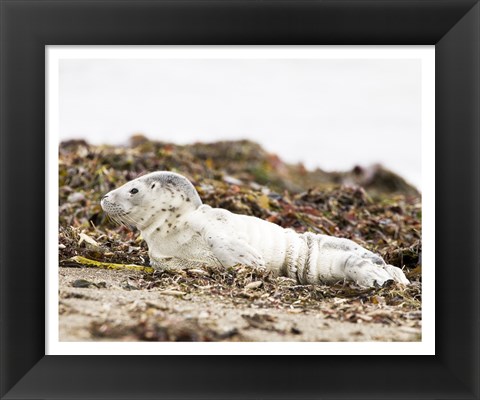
(382, 213)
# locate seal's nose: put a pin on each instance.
(104, 197)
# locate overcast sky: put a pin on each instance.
(333, 114)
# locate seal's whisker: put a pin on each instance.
(111, 218)
(120, 222)
(125, 220)
(130, 220)
(117, 219)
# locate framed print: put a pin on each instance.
(36, 40)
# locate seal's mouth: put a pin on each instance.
(117, 214)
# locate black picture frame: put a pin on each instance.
(453, 26)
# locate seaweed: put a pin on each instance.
(381, 213)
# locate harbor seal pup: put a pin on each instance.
(180, 230)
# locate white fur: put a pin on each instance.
(177, 228)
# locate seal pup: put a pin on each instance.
(181, 231)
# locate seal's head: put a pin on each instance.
(149, 198)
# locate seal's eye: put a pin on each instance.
(133, 191)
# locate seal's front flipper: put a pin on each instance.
(231, 251)
(220, 231)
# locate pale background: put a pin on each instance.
(332, 114)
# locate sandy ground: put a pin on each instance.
(115, 309)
